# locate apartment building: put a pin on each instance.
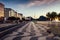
(20, 16)
(10, 12)
(1, 10)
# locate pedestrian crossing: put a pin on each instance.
(30, 31)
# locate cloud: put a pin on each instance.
(38, 3)
(34, 3)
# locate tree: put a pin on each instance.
(23, 19)
(17, 18)
(49, 15)
(52, 15)
(11, 18)
(58, 16)
(42, 18)
(1, 19)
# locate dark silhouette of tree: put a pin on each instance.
(1, 19)
(11, 18)
(23, 19)
(42, 18)
(52, 15)
(17, 18)
(49, 15)
(58, 16)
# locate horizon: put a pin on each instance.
(33, 7)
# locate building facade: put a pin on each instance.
(20, 16)
(10, 12)
(15, 14)
(1, 10)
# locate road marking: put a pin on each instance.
(20, 30)
(31, 31)
(34, 38)
(37, 32)
(10, 38)
(7, 29)
(28, 29)
(35, 28)
(42, 38)
(44, 26)
(25, 34)
(14, 34)
(26, 38)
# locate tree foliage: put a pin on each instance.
(51, 15)
(11, 18)
(42, 18)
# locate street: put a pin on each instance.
(29, 19)
(30, 31)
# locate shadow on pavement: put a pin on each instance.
(18, 38)
(34, 38)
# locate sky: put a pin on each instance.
(33, 7)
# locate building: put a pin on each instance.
(1, 10)
(28, 18)
(10, 12)
(15, 14)
(20, 16)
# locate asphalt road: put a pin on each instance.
(30, 31)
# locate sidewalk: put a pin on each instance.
(6, 24)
